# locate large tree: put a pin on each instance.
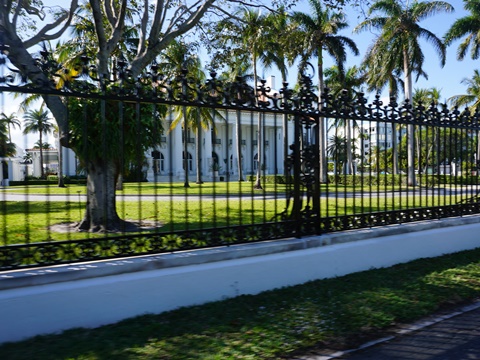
(158, 22)
(317, 34)
(399, 42)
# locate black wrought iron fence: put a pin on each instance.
(259, 164)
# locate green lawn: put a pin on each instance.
(177, 188)
(23, 221)
(160, 188)
(334, 313)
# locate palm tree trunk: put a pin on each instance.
(61, 182)
(185, 154)
(410, 128)
(349, 148)
(258, 183)
(478, 151)
(322, 132)
(198, 154)
(238, 134)
(394, 149)
(42, 172)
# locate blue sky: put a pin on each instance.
(447, 79)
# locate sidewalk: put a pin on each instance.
(454, 336)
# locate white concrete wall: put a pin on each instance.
(91, 295)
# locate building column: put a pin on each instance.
(207, 153)
(149, 158)
(176, 162)
(280, 147)
(233, 138)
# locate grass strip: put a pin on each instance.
(276, 324)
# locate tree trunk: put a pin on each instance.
(198, 154)
(258, 179)
(101, 212)
(410, 128)
(322, 133)
(238, 134)
(42, 172)
(477, 158)
(394, 149)
(185, 154)
(61, 182)
(349, 149)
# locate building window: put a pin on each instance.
(158, 162)
(189, 161)
(255, 162)
(232, 165)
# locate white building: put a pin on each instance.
(165, 162)
(376, 134)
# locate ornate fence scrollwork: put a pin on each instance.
(301, 211)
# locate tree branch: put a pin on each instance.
(108, 7)
(42, 34)
(97, 20)
(118, 28)
(143, 28)
(158, 18)
(16, 14)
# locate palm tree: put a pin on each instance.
(195, 118)
(280, 52)
(426, 97)
(178, 61)
(43, 145)
(399, 47)
(337, 150)
(318, 33)
(10, 121)
(377, 76)
(277, 48)
(38, 121)
(468, 26)
(470, 99)
(181, 56)
(247, 32)
(338, 82)
(7, 148)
